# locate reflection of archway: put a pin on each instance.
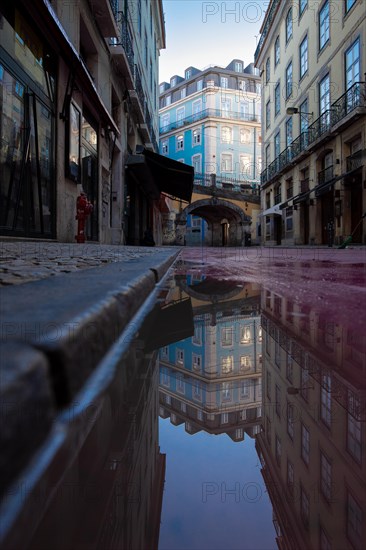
(225, 225)
(214, 211)
(210, 290)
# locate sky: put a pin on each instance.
(202, 33)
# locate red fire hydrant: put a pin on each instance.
(83, 209)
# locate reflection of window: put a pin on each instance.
(224, 418)
(180, 382)
(305, 444)
(227, 336)
(290, 476)
(244, 388)
(278, 450)
(168, 400)
(326, 400)
(355, 521)
(239, 433)
(179, 357)
(164, 352)
(260, 336)
(225, 391)
(73, 171)
(304, 506)
(197, 390)
(325, 477)
(227, 364)
(165, 380)
(245, 335)
(278, 400)
(196, 362)
(290, 420)
(197, 336)
(245, 362)
(354, 437)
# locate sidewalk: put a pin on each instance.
(62, 308)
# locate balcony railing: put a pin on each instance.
(224, 182)
(357, 160)
(209, 113)
(325, 175)
(266, 28)
(352, 99)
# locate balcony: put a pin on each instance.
(209, 113)
(105, 14)
(326, 175)
(121, 50)
(266, 28)
(350, 106)
(357, 160)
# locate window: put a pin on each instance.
(289, 80)
(238, 67)
(165, 119)
(288, 25)
(179, 357)
(227, 336)
(268, 384)
(245, 166)
(224, 82)
(139, 16)
(303, 57)
(352, 64)
(226, 134)
(244, 135)
(239, 433)
(183, 407)
(188, 74)
(277, 99)
(164, 147)
(183, 93)
(224, 418)
(305, 444)
(289, 132)
(227, 364)
(165, 352)
(278, 450)
(196, 136)
(326, 400)
(290, 476)
(302, 6)
(268, 155)
(324, 25)
(268, 114)
(226, 162)
(168, 100)
(348, 5)
(165, 379)
(199, 85)
(244, 110)
(324, 540)
(225, 391)
(196, 362)
(225, 107)
(268, 70)
(325, 477)
(277, 51)
(196, 163)
(199, 415)
(180, 115)
(180, 142)
(277, 145)
(354, 521)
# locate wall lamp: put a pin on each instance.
(295, 111)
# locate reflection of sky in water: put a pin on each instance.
(198, 465)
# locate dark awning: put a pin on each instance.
(301, 197)
(158, 174)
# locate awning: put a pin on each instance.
(158, 174)
(300, 198)
(275, 210)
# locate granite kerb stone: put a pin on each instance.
(75, 318)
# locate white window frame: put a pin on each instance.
(245, 334)
(165, 147)
(227, 336)
(199, 85)
(228, 138)
(180, 115)
(197, 160)
(245, 135)
(304, 56)
(180, 384)
(238, 67)
(165, 121)
(224, 82)
(227, 364)
(196, 136)
(197, 335)
(179, 357)
(196, 362)
(179, 142)
(168, 100)
(227, 162)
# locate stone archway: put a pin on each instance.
(213, 211)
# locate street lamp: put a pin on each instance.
(295, 111)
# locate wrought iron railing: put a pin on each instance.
(266, 28)
(224, 182)
(357, 160)
(353, 98)
(206, 113)
(139, 88)
(325, 175)
(114, 7)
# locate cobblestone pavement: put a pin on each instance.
(22, 262)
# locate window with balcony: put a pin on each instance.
(197, 163)
(165, 120)
(277, 194)
(268, 155)
(225, 107)
(324, 25)
(289, 25)
(277, 99)
(180, 142)
(324, 101)
(244, 389)
(277, 144)
(199, 85)
(277, 51)
(245, 335)
(303, 57)
(268, 70)
(289, 80)
(244, 110)
(245, 166)
(289, 136)
(226, 134)
(180, 115)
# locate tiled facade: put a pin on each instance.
(311, 56)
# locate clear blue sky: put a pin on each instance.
(201, 33)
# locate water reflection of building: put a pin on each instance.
(312, 444)
(104, 488)
(212, 380)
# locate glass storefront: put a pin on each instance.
(27, 91)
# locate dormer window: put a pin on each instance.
(238, 67)
(188, 74)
